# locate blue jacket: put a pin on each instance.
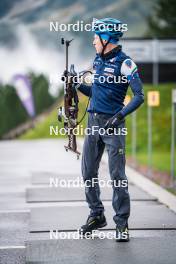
(113, 73)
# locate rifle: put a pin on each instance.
(71, 101)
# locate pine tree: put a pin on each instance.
(163, 22)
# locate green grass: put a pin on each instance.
(161, 121)
(161, 128)
(160, 160)
(42, 130)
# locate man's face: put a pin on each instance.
(97, 43)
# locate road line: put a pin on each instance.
(12, 247)
(14, 211)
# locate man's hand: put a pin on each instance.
(114, 121)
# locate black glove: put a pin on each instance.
(114, 121)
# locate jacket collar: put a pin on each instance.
(112, 53)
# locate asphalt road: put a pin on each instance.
(34, 214)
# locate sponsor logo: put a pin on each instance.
(109, 69)
(112, 60)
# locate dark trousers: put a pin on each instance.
(93, 149)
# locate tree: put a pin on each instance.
(12, 112)
(163, 22)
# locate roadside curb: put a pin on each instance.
(152, 188)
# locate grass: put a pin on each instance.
(42, 129)
(160, 160)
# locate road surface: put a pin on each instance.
(36, 209)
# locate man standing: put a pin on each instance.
(106, 110)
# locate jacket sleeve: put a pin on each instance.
(129, 69)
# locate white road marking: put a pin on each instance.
(12, 247)
(14, 211)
